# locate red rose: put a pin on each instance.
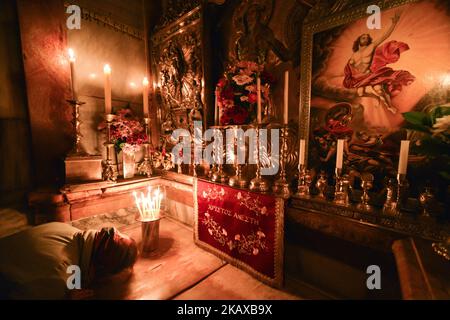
(240, 115)
(252, 98)
(227, 93)
(222, 82)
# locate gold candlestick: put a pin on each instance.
(366, 185)
(281, 186)
(341, 189)
(77, 149)
(304, 182)
(219, 175)
(258, 183)
(108, 172)
(394, 207)
(322, 185)
(145, 168)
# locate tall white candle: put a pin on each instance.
(72, 73)
(286, 97)
(258, 90)
(216, 107)
(145, 96)
(108, 102)
(403, 160)
(302, 152)
(340, 153)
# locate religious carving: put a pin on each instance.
(178, 69)
(254, 38)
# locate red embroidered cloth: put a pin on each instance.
(245, 228)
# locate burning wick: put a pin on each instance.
(149, 205)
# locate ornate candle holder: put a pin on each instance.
(258, 183)
(394, 204)
(145, 168)
(77, 149)
(304, 182)
(426, 199)
(219, 175)
(281, 186)
(108, 172)
(238, 180)
(389, 204)
(341, 189)
(366, 185)
(321, 185)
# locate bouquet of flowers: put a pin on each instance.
(237, 95)
(127, 132)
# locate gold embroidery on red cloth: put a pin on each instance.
(214, 193)
(252, 203)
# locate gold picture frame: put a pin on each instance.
(324, 17)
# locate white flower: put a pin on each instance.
(244, 98)
(251, 88)
(442, 125)
(255, 252)
(242, 79)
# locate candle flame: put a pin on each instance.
(149, 205)
(107, 69)
(145, 81)
(71, 55)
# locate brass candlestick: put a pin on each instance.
(219, 175)
(237, 180)
(108, 172)
(304, 182)
(426, 199)
(366, 185)
(389, 204)
(394, 204)
(281, 186)
(145, 168)
(258, 183)
(77, 149)
(341, 189)
(321, 185)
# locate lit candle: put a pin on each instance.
(72, 73)
(108, 103)
(145, 96)
(258, 90)
(216, 107)
(302, 151)
(286, 97)
(340, 153)
(403, 160)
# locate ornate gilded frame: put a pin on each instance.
(323, 17)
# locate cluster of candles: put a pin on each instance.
(258, 101)
(149, 205)
(108, 96)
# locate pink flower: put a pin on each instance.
(242, 79)
(255, 251)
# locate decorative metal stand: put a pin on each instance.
(258, 183)
(366, 185)
(219, 175)
(341, 189)
(393, 207)
(322, 185)
(108, 173)
(281, 186)
(145, 168)
(77, 149)
(238, 180)
(304, 182)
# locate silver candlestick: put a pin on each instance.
(258, 183)
(108, 172)
(77, 149)
(219, 175)
(281, 186)
(145, 168)
(394, 206)
(341, 189)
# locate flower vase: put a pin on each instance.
(129, 164)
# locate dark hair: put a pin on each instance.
(112, 253)
(356, 43)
